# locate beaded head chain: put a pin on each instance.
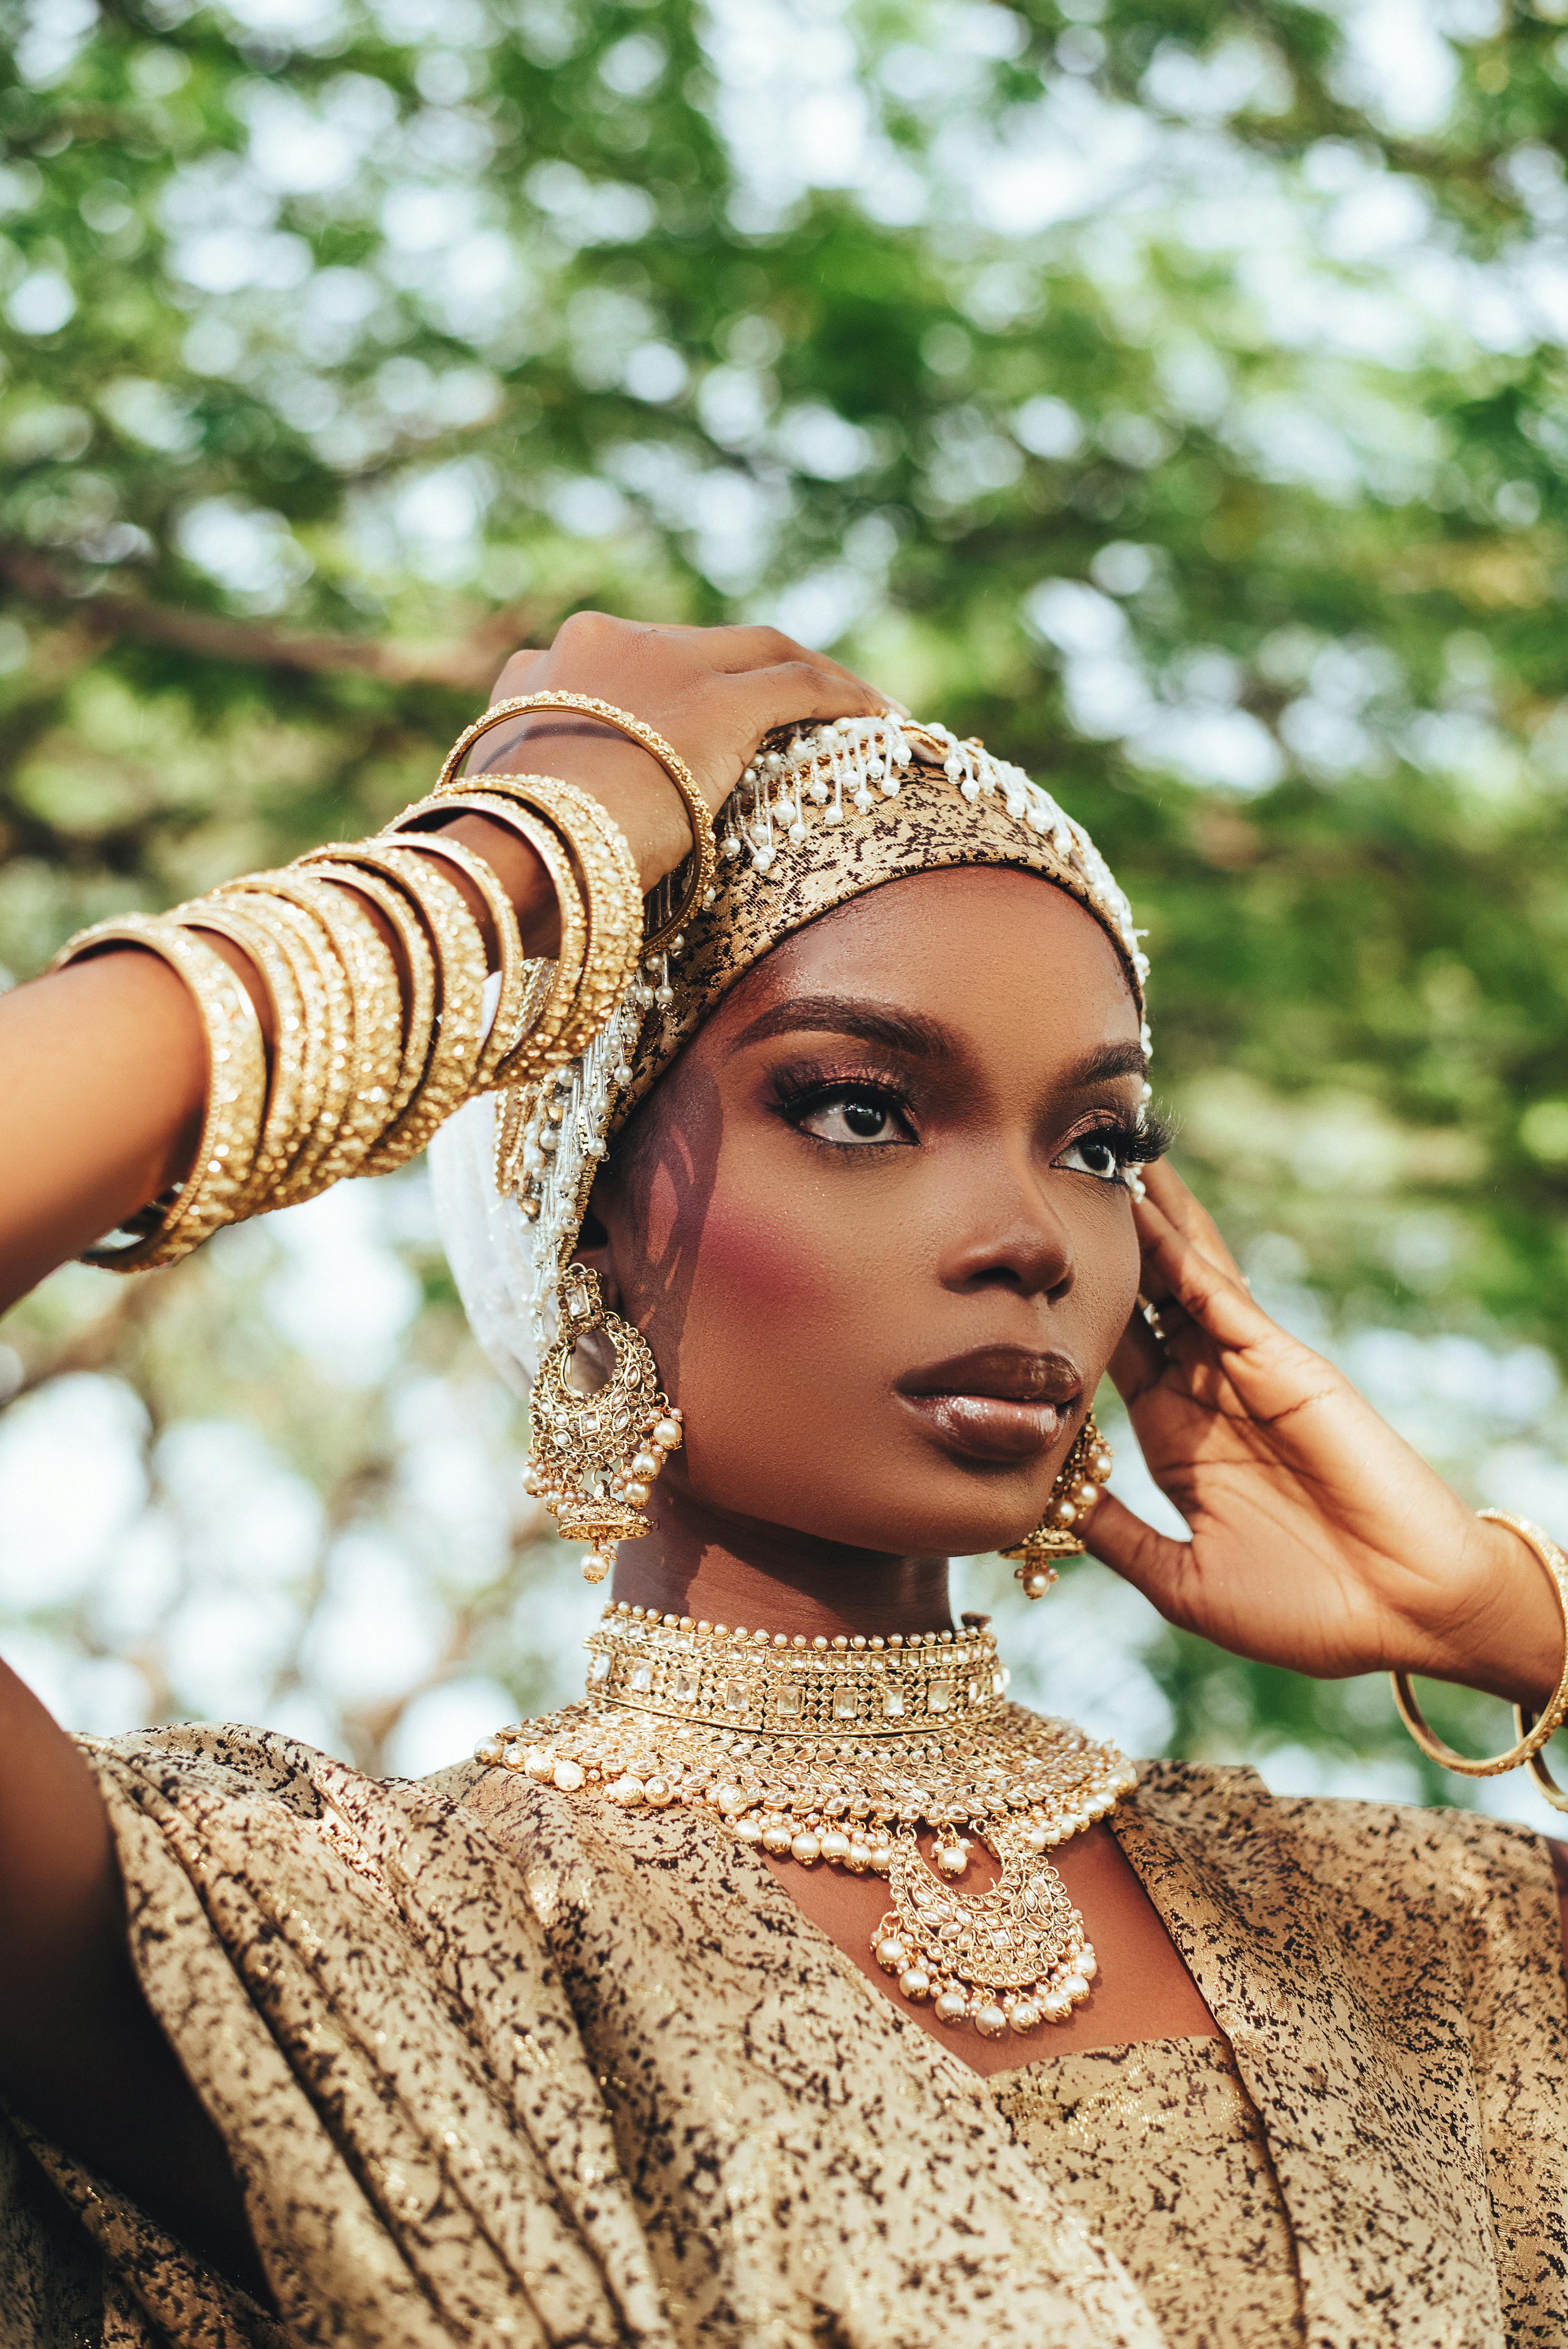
(825, 815)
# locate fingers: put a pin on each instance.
(1165, 1189)
(744, 649)
(797, 691)
(1161, 1568)
(1188, 1262)
(516, 677)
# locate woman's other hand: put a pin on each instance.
(1318, 1539)
(712, 693)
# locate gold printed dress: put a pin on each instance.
(497, 2068)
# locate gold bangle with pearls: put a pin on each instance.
(1534, 1733)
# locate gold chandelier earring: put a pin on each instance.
(594, 1457)
(1073, 1495)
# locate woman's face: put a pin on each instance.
(875, 1223)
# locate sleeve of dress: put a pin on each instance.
(351, 1975)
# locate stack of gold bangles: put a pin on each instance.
(374, 1044)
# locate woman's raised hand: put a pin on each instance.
(1318, 1539)
(712, 693)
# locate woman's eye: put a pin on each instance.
(1094, 1153)
(851, 1118)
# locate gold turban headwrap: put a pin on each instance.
(827, 814)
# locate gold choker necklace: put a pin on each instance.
(844, 1750)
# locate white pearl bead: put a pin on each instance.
(657, 1791)
(1024, 2016)
(646, 1464)
(858, 1859)
(805, 1848)
(1089, 1965)
(668, 1434)
(1055, 2007)
(1075, 1987)
(778, 1839)
(627, 1791)
(568, 1777)
(892, 1954)
(835, 1845)
(915, 1982)
(990, 2022)
(539, 1762)
(746, 1830)
(951, 2007)
(635, 1491)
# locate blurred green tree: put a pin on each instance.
(1168, 390)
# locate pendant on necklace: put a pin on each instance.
(842, 1751)
(1007, 1959)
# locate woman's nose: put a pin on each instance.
(1008, 1236)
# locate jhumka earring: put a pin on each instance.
(594, 1457)
(1075, 1493)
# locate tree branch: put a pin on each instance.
(468, 666)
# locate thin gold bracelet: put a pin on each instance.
(236, 1094)
(1533, 1733)
(704, 857)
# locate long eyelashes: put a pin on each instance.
(1134, 1139)
(1137, 1142)
(798, 1093)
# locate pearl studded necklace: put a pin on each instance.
(843, 1751)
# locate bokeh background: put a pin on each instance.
(1171, 392)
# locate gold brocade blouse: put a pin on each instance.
(1158, 2148)
(496, 2069)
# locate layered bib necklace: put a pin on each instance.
(846, 1751)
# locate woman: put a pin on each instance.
(612, 2034)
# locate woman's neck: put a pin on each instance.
(738, 1571)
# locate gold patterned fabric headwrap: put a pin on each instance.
(821, 816)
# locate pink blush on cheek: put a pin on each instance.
(751, 1263)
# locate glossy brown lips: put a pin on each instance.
(999, 1404)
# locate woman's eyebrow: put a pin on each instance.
(1127, 1060)
(851, 1015)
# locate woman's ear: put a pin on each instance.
(595, 1246)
